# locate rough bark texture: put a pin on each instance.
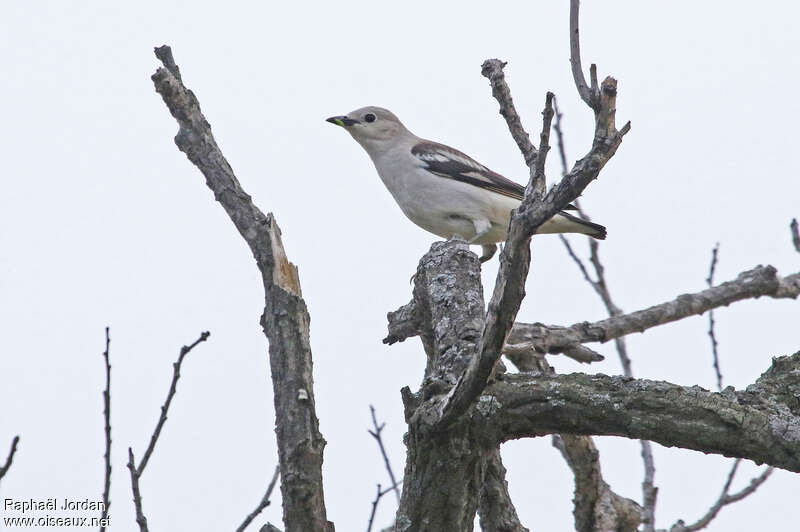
(751, 284)
(496, 511)
(444, 469)
(540, 338)
(597, 507)
(285, 319)
(761, 423)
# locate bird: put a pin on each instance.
(443, 190)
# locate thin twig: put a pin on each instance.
(141, 520)
(377, 435)
(378, 496)
(10, 457)
(795, 234)
(264, 501)
(711, 334)
(560, 138)
(725, 498)
(136, 472)
(107, 426)
(176, 374)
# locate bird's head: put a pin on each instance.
(372, 127)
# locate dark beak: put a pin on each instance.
(341, 121)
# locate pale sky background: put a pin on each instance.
(104, 222)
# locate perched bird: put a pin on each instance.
(443, 190)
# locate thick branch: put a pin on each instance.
(285, 319)
(597, 507)
(760, 281)
(761, 423)
(496, 510)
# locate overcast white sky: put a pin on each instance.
(104, 222)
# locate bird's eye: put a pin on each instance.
(369, 117)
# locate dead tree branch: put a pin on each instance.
(263, 503)
(597, 507)
(711, 334)
(107, 427)
(9, 458)
(761, 423)
(588, 94)
(751, 284)
(495, 509)
(724, 499)
(492, 69)
(379, 439)
(137, 471)
(285, 319)
(605, 518)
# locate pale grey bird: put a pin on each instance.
(443, 190)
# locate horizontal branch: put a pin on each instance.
(760, 281)
(761, 423)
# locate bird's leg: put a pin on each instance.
(488, 252)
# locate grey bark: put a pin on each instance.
(597, 507)
(444, 469)
(540, 338)
(285, 319)
(761, 423)
(496, 511)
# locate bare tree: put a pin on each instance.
(467, 406)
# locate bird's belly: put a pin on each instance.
(446, 207)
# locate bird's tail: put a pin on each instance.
(566, 223)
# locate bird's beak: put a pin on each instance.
(341, 121)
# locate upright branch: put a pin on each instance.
(495, 509)
(376, 433)
(588, 94)
(711, 334)
(137, 471)
(285, 319)
(509, 288)
(575, 446)
(795, 234)
(9, 458)
(597, 507)
(107, 426)
(492, 69)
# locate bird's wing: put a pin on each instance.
(450, 163)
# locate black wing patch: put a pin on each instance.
(450, 163)
(446, 162)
